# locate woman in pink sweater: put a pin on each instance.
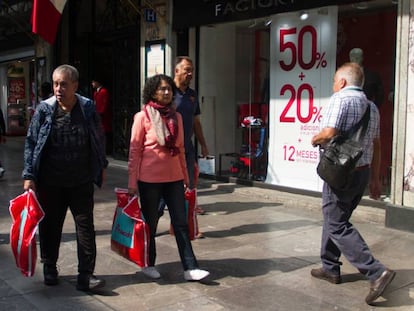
(157, 169)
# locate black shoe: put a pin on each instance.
(89, 283)
(378, 286)
(50, 274)
(323, 275)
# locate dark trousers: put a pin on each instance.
(173, 194)
(190, 161)
(339, 236)
(55, 201)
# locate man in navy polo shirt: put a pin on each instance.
(187, 104)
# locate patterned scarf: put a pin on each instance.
(164, 122)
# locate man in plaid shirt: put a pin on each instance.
(346, 107)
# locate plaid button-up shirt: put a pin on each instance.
(345, 109)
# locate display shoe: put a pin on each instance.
(89, 283)
(195, 274)
(151, 272)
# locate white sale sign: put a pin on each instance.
(303, 61)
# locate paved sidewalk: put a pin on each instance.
(260, 246)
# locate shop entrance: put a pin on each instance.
(17, 78)
(234, 90)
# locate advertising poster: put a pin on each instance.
(155, 58)
(303, 61)
(16, 90)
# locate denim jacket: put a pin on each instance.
(39, 130)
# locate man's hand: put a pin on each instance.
(323, 136)
(29, 184)
(204, 151)
(313, 141)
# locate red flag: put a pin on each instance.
(46, 17)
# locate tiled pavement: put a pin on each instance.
(259, 246)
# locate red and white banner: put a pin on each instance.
(303, 60)
(46, 17)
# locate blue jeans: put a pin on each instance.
(339, 236)
(173, 195)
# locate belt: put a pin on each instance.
(361, 168)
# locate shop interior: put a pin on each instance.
(248, 157)
(19, 100)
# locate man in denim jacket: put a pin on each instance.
(64, 156)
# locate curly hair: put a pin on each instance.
(152, 84)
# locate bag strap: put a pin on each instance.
(356, 128)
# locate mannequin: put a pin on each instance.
(356, 55)
(373, 88)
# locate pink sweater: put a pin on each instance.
(151, 162)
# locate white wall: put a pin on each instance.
(217, 88)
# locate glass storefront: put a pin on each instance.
(19, 94)
(237, 73)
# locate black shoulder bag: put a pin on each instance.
(339, 157)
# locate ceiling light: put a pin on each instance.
(303, 15)
(268, 22)
(360, 5)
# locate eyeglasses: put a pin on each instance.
(162, 89)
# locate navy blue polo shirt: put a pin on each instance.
(188, 106)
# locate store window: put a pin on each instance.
(18, 80)
(234, 66)
(252, 99)
(234, 92)
(378, 48)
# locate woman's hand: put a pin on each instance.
(132, 191)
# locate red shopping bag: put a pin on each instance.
(190, 208)
(26, 214)
(130, 233)
(191, 203)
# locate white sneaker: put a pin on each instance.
(151, 272)
(2, 170)
(195, 274)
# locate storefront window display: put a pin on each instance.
(281, 61)
(18, 81)
(239, 103)
(378, 48)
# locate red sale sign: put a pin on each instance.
(16, 90)
(303, 59)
